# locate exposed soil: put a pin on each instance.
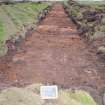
(54, 54)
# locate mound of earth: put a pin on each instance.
(30, 95)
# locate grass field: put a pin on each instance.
(15, 18)
(13, 96)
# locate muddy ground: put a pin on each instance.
(53, 54)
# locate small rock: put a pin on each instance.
(104, 99)
(103, 21)
(98, 35)
(102, 28)
(101, 50)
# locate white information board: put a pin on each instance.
(49, 92)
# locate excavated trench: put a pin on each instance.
(53, 54)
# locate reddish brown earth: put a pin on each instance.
(54, 54)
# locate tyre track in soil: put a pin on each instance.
(54, 53)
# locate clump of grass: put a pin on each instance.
(3, 48)
(83, 97)
(99, 8)
(1, 30)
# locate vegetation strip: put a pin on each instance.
(90, 21)
(17, 19)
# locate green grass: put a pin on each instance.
(14, 18)
(82, 97)
(1, 31)
(24, 13)
(78, 97)
(100, 8)
(3, 48)
(91, 2)
(30, 95)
